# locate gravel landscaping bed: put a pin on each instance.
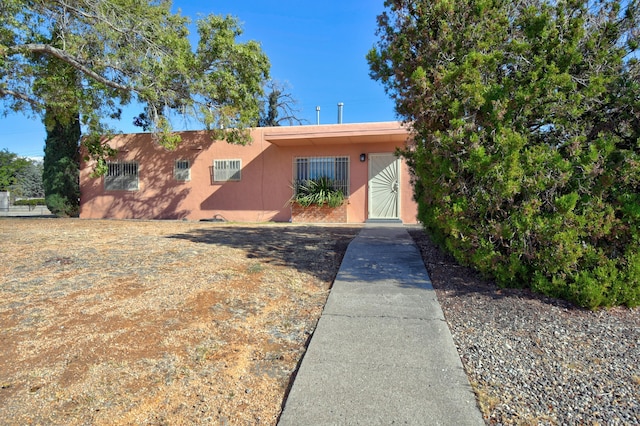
(536, 360)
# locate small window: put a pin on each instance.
(121, 176)
(182, 170)
(226, 170)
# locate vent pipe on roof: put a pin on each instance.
(340, 105)
(318, 115)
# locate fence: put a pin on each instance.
(4, 201)
(7, 209)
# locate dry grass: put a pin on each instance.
(130, 322)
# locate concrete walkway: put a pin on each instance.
(382, 352)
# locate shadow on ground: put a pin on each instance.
(316, 250)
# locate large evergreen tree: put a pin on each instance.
(526, 118)
(123, 51)
(61, 170)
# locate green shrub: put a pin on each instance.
(320, 191)
(60, 206)
(526, 150)
(30, 202)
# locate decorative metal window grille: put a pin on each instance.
(334, 168)
(226, 170)
(182, 170)
(121, 176)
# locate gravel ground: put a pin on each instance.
(536, 360)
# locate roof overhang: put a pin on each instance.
(337, 134)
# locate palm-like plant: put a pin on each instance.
(318, 191)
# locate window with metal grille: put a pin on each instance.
(226, 170)
(182, 170)
(121, 176)
(334, 168)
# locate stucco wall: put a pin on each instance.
(262, 194)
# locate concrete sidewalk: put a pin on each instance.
(382, 352)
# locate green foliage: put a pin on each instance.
(269, 116)
(20, 176)
(124, 51)
(30, 202)
(61, 167)
(61, 206)
(320, 191)
(29, 181)
(11, 167)
(526, 149)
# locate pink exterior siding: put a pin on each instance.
(264, 189)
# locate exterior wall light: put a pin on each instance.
(363, 157)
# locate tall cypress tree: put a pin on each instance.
(61, 165)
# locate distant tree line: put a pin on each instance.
(20, 176)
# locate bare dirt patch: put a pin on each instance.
(136, 322)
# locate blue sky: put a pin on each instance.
(317, 48)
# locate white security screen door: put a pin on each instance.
(384, 186)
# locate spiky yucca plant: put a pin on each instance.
(318, 191)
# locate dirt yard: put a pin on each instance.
(141, 322)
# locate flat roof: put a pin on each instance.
(337, 134)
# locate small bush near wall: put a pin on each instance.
(321, 191)
(318, 201)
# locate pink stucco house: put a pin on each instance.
(205, 179)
